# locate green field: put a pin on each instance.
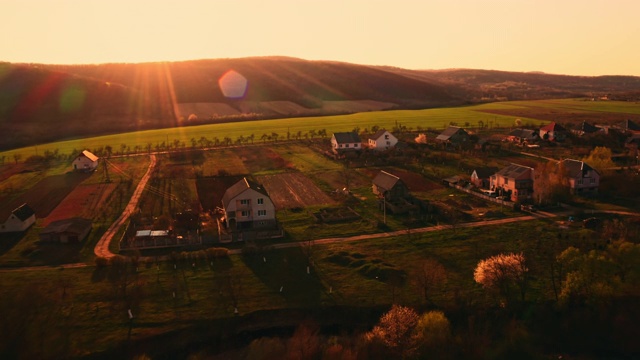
(429, 118)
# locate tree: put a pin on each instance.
(433, 335)
(600, 158)
(421, 139)
(395, 331)
(428, 276)
(550, 183)
(264, 138)
(17, 157)
(501, 272)
(304, 343)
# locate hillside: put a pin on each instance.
(42, 103)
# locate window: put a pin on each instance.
(389, 143)
(593, 181)
(246, 213)
(262, 212)
(260, 201)
(386, 137)
(579, 181)
(340, 145)
(355, 145)
(245, 202)
(346, 145)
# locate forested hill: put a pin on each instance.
(42, 103)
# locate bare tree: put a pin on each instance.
(428, 276)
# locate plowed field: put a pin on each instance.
(290, 190)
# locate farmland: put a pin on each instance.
(191, 290)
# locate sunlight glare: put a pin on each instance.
(233, 85)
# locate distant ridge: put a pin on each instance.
(42, 103)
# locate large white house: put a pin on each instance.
(345, 141)
(248, 206)
(18, 220)
(382, 140)
(85, 161)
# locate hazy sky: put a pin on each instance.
(578, 37)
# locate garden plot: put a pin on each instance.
(292, 190)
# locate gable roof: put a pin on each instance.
(239, 187)
(378, 134)
(485, 172)
(449, 132)
(89, 155)
(587, 128)
(73, 225)
(552, 126)
(575, 168)
(628, 125)
(22, 212)
(513, 171)
(523, 133)
(385, 180)
(346, 137)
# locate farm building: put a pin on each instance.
(18, 220)
(66, 231)
(382, 140)
(481, 177)
(247, 205)
(521, 136)
(389, 186)
(515, 181)
(345, 141)
(583, 179)
(453, 135)
(628, 127)
(553, 132)
(394, 194)
(85, 161)
(585, 129)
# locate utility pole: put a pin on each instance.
(106, 171)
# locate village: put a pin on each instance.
(239, 208)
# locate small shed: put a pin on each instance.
(389, 186)
(65, 231)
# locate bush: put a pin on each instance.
(101, 262)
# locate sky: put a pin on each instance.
(574, 37)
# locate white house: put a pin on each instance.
(583, 179)
(345, 141)
(382, 140)
(85, 161)
(248, 206)
(18, 220)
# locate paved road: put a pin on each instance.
(102, 247)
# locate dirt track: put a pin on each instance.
(102, 247)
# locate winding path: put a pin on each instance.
(102, 247)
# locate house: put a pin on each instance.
(389, 186)
(585, 129)
(553, 132)
(345, 141)
(382, 140)
(453, 135)
(65, 231)
(18, 220)
(247, 205)
(628, 126)
(521, 136)
(85, 161)
(583, 179)
(514, 181)
(481, 177)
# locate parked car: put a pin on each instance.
(530, 208)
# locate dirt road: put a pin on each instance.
(102, 247)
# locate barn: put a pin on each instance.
(72, 230)
(18, 220)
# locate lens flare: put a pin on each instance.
(233, 85)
